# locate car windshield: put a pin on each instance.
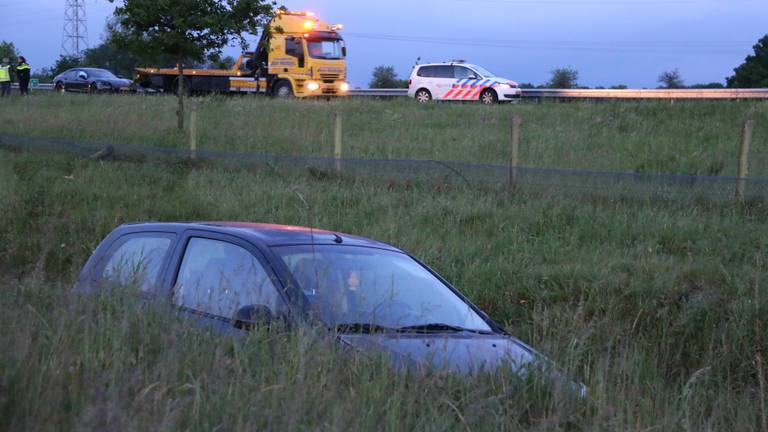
(350, 287)
(482, 71)
(328, 49)
(100, 73)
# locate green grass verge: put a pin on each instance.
(657, 308)
(698, 137)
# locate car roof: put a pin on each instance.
(265, 233)
(449, 63)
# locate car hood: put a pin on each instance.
(459, 352)
(503, 80)
(464, 353)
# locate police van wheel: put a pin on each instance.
(283, 90)
(423, 96)
(489, 97)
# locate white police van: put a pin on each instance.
(462, 81)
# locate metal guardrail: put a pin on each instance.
(605, 93)
(379, 92)
(647, 93)
(701, 94)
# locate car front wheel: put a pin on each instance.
(423, 96)
(489, 97)
(59, 87)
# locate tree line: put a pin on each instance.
(752, 73)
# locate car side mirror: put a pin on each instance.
(248, 317)
(344, 51)
(82, 76)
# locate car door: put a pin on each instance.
(442, 82)
(79, 82)
(67, 79)
(467, 84)
(220, 277)
(135, 260)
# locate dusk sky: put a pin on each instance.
(608, 41)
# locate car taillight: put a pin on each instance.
(410, 81)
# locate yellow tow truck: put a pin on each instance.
(306, 57)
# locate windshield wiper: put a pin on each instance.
(363, 328)
(439, 328)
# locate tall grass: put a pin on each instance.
(657, 308)
(698, 137)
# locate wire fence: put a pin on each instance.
(476, 176)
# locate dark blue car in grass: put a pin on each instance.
(372, 296)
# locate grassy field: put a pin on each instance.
(699, 138)
(659, 309)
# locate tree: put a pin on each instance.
(8, 50)
(216, 61)
(564, 78)
(671, 79)
(65, 62)
(753, 73)
(386, 77)
(186, 30)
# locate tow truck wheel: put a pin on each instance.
(489, 97)
(423, 96)
(283, 90)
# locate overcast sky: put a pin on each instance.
(608, 41)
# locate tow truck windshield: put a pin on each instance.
(326, 49)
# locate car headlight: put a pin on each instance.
(312, 86)
(344, 87)
(504, 86)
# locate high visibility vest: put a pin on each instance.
(5, 74)
(22, 66)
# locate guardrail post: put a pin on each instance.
(746, 142)
(517, 121)
(193, 133)
(337, 140)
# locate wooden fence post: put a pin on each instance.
(193, 133)
(337, 140)
(746, 142)
(515, 157)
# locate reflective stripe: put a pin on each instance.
(5, 74)
(22, 66)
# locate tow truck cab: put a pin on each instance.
(305, 57)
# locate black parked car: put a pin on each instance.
(371, 296)
(90, 80)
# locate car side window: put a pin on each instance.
(444, 72)
(136, 260)
(462, 72)
(219, 278)
(426, 71)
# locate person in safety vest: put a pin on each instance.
(5, 78)
(23, 72)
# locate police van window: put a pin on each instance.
(444, 72)
(427, 71)
(219, 278)
(293, 47)
(464, 72)
(136, 260)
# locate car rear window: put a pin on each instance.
(136, 260)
